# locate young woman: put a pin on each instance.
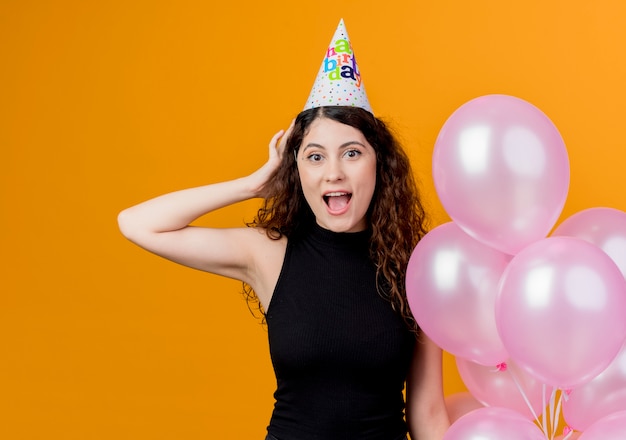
(326, 258)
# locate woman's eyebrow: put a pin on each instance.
(313, 145)
(347, 144)
(344, 145)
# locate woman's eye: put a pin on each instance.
(315, 157)
(352, 153)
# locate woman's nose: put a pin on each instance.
(334, 171)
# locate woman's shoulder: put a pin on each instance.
(267, 247)
(257, 243)
(268, 256)
(263, 236)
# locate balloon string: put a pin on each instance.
(503, 367)
(553, 413)
(557, 412)
(543, 423)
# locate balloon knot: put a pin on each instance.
(501, 366)
(565, 394)
(567, 430)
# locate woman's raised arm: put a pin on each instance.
(161, 225)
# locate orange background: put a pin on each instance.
(106, 103)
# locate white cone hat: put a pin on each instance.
(339, 80)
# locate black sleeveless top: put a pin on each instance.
(340, 353)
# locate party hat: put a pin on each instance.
(339, 80)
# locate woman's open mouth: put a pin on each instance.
(337, 201)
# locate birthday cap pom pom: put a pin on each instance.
(339, 81)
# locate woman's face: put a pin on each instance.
(337, 168)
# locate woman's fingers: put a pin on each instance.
(274, 145)
(284, 137)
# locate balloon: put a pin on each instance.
(611, 427)
(501, 171)
(493, 423)
(605, 394)
(459, 404)
(561, 310)
(493, 387)
(452, 284)
(604, 227)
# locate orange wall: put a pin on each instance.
(106, 103)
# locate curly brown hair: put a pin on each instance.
(396, 215)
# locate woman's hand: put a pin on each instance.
(261, 177)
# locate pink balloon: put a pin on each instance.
(452, 284)
(605, 394)
(561, 310)
(604, 227)
(501, 171)
(493, 387)
(611, 427)
(493, 423)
